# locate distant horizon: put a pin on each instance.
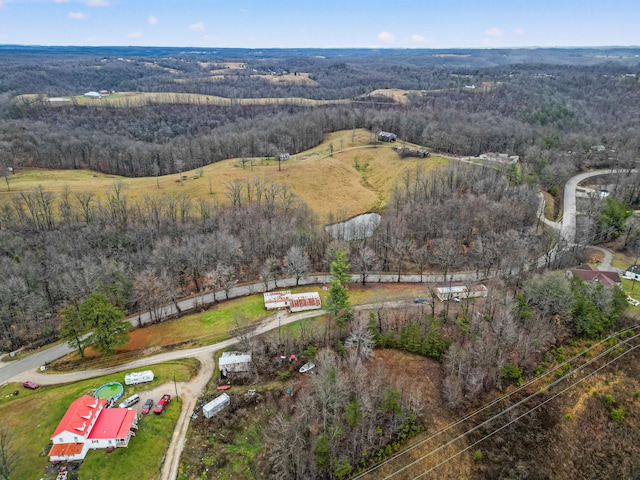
(324, 24)
(192, 47)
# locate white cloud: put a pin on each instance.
(493, 32)
(152, 20)
(385, 37)
(97, 3)
(135, 35)
(197, 27)
(519, 31)
(418, 39)
(76, 16)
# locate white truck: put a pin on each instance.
(138, 377)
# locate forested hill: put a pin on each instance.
(549, 106)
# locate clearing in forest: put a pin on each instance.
(359, 177)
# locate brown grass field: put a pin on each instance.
(138, 99)
(288, 79)
(328, 184)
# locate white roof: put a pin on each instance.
(452, 289)
(232, 358)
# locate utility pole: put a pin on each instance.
(175, 385)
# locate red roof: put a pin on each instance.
(79, 415)
(113, 423)
(65, 449)
(590, 274)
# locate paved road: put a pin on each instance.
(568, 230)
(15, 369)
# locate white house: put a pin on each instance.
(215, 405)
(89, 424)
(234, 362)
(459, 290)
(93, 95)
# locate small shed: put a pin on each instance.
(215, 405)
(234, 362)
(138, 377)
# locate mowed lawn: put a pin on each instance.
(350, 182)
(218, 323)
(32, 416)
(204, 328)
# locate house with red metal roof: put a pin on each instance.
(593, 275)
(88, 424)
(294, 302)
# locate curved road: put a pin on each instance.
(12, 370)
(27, 368)
(16, 370)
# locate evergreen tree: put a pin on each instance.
(109, 331)
(338, 302)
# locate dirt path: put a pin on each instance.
(189, 392)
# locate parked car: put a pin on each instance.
(132, 400)
(306, 367)
(162, 404)
(30, 385)
(148, 405)
(421, 300)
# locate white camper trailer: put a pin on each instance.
(215, 405)
(138, 377)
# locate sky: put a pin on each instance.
(321, 23)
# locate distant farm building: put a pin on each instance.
(87, 424)
(294, 302)
(459, 290)
(215, 405)
(387, 136)
(502, 158)
(412, 152)
(592, 275)
(234, 362)
(93, 95)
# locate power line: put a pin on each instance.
(512, 407)
(496, 401)
(528, 411)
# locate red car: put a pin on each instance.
(162, 404)
(146, 408)
(31, 385)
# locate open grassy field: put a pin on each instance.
(137, 99)
(32, 416)
(298, 78)
(359, 176)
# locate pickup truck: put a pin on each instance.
(162, 404)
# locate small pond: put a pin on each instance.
(355, 228)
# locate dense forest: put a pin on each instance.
(559, 111)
